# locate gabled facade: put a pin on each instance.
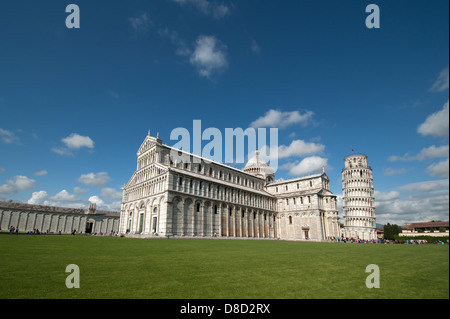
(195, 197)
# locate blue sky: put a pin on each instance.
(77, 103)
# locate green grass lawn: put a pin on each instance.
(34, 267)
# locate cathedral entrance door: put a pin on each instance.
(141, 223)
(154, 223)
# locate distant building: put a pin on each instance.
(433, 228)
(49, 219)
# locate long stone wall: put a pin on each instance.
(51, 220)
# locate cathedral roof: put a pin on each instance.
(259, 163)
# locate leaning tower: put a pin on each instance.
(358, 198)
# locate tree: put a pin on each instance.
(390, 231)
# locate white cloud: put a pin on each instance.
(426, 201)
(309, 165)
(79, 191)
(96, 200)
(437, 124)
(209, 56)
(278, 119)
(115, 206)
(297, 148)
(16, 184)
(95, 179)
(442, 82)
(65, 199)
(62, 151)
(433, 152)
(383, 197)
(391, 171)
(105, 205)
(64, 196)
(62, 199)
(426, 186)
(74, 142)
(142, 23)
(111, 193)
(8, 137)
(214, 9)
(426, 153)
(23, 182)
(2, 170)
(440, 169)
(41, 173)
(38, 198)
(413, 209)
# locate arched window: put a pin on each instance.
(290, 220)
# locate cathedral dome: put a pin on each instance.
(259, 167)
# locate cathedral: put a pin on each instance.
(198, 198)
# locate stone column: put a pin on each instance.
(233, 216)
(227, 221)
(9, 219)
(212, 217)
(240, 221)
(180, 217)
(158, 215)
(247, 223)
(270, 225)
(258, 221)
(194, 209)
(203, 213)
(220, 212)
(27, 215)
(252, 224)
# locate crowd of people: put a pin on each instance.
(386, 241)
(15, 230)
